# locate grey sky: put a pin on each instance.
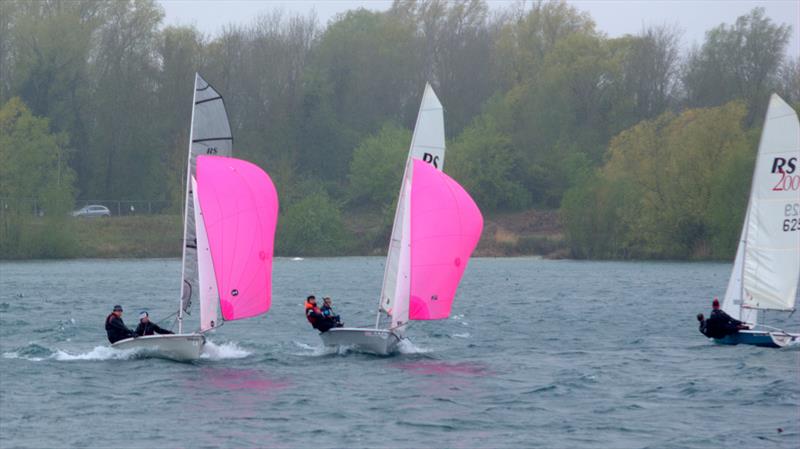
(614, 17)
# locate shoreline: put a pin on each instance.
(530, 233)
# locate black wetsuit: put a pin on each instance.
(150, 328)
(720, 325)
(704, 328)
(116, 329)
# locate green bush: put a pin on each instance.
(312, 226)
(377, 166)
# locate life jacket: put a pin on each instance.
(312, 319)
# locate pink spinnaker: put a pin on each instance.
(446, 225)
(240, 210)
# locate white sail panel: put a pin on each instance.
(428, 141)
(402, 289)
(772, 234)
(427, 144)
(732, 304)
(207, 281)
(210, 134)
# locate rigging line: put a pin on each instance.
(166, 318)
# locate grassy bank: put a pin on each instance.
(525, 233)
(138, 236)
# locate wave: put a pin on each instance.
(223, 351)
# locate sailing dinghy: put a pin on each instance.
(767, 266)
(230, 217)
(436, 227)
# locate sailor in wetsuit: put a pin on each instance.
(719, 324)
(328, 313)
(315, 316)
(116, 328)
(146, 327)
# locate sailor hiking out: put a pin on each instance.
(315, 316)
(719, 324)
(116, 328)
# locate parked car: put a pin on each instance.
(93, 210)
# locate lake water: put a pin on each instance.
(537, 354)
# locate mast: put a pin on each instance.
(428, 145)
(186, 209)
(210, 133)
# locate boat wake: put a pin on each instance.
(406, 346)
(317, 351)
(223, 351)
(98, 353)
(793, 345)
(36, 353)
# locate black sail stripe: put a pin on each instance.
(211, 139)
(207, 100)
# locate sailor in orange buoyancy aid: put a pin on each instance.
(315, 317)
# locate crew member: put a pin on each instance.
(703, 327)
(328, 313)
(147, 327)
(116, 328)
(315, 316)
(720, 324)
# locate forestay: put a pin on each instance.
(210, 134)
(446, 226)
(771, 260)
(239, 206)
(427, 144)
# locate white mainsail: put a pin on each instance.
(427, 144)
(766, 270)
(210, 134)
(771, 263)
(207, 281)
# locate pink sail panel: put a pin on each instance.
(240, 210)
(446, 225)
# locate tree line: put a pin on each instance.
(542, 110)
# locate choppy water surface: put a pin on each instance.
(537, 354)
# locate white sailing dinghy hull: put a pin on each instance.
(370, 340)
(180, 347)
